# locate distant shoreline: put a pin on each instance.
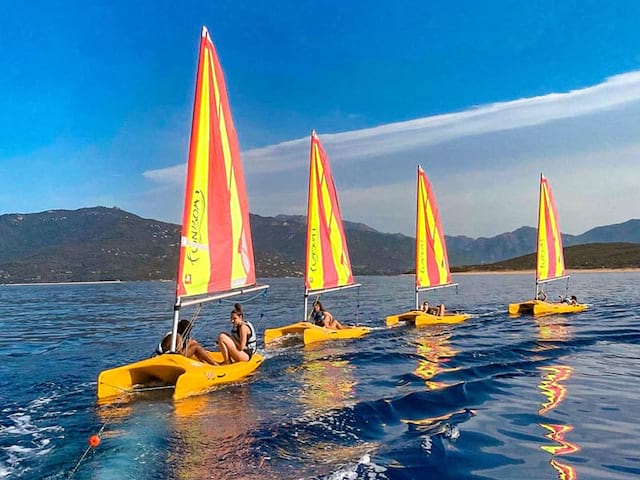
(41, 284)
(468, 272)
(532, 271)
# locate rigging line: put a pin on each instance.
(262, 308)
(194, 317)
(248, 300)
(312, 305)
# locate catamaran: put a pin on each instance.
(328, 266)
(216, 249)
(432, 261)
(549, 260)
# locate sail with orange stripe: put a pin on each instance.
(432, 262)
(216, 250)
(328, 265)
(550, 258)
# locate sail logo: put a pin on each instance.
(313, 252)
(198, 210)
(543, 257)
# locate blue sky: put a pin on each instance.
(97, 101)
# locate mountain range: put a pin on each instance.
(102, 243)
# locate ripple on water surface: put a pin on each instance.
(494, 397)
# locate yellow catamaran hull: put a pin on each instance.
(312, 333)
(539, 307)
(420, 318)
(189, 376)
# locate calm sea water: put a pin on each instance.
(494, 397)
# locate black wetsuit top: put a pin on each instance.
(317, 318)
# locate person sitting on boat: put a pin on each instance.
(542, 296)
(184, 330)
(438, 310)
(572, 300)
(188, 347)
(241, 344)
(324, 318)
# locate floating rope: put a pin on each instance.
(94, 441)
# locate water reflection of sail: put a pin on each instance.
(555, 391)
(213, 437)
(324, 434)
(327, 383)
(551, 386)
(434, 349)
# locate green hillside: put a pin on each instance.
(590, 256)
(94, 244)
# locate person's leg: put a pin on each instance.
(194, 349)
(337, 325)
(238, 355)
(230, 350)
(223, 342)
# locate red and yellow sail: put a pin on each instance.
(216, 250)
(550, 260)
(327, 262)
(432, 262)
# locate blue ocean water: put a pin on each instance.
(492, 398)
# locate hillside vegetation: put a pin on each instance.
(93, 244)
(590, 256)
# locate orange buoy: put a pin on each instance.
(94, 440)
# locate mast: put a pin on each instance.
(538, 240)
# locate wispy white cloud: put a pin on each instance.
(484, 163)
(396, 138)
(172, 175)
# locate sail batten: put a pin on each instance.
(328, 264)
(216, 249)
(432, 262)
(550, 254)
